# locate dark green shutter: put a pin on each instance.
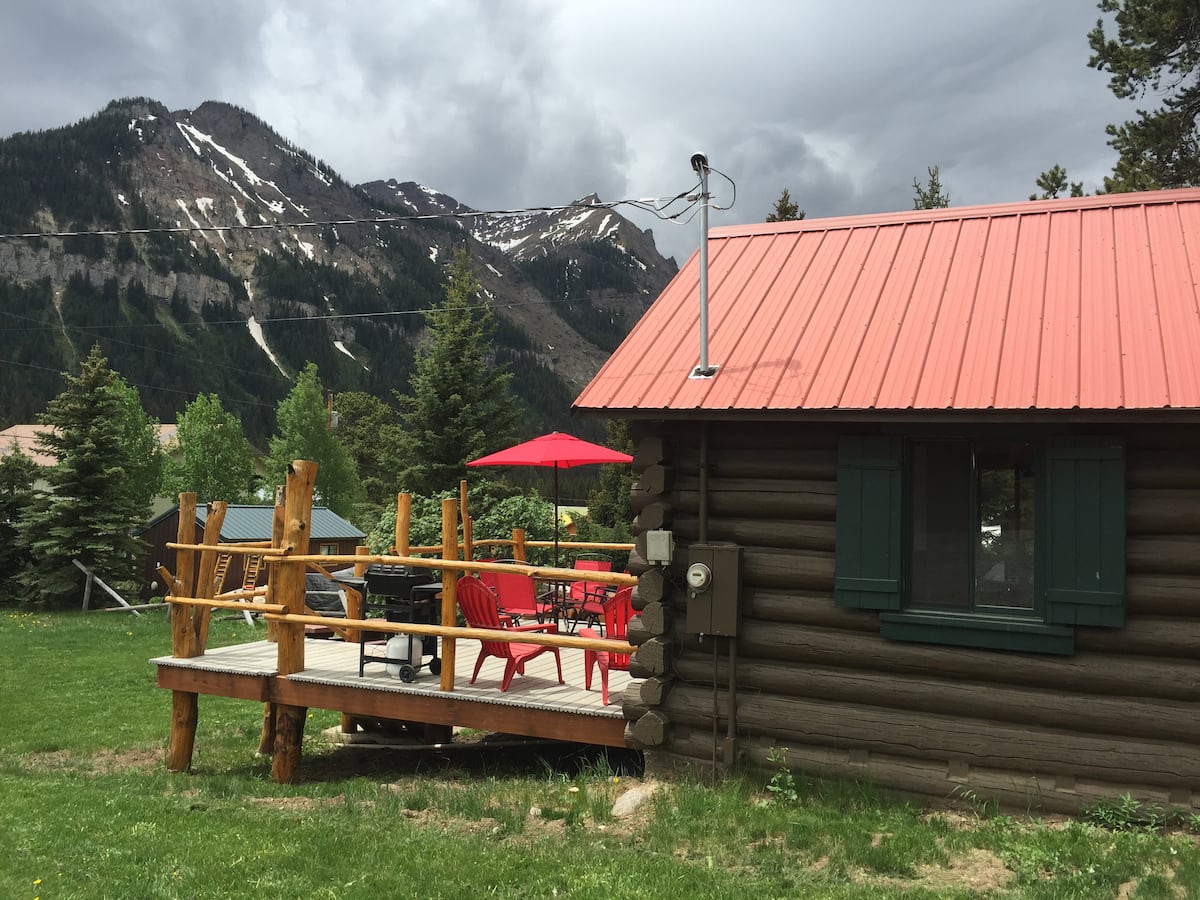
(1085, 523)
(869, 498)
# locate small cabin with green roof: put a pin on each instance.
(331, 535)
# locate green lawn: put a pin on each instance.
(87, 810)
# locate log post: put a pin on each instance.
(467, 529)
(276, 542)
(354, 610)
(288, 591)
(185, 713)
(185, 580)
(518, 550)
(354, 599)
(266, 741)
(449, 594)
(184, 704)
(403, 521)
(206, 581)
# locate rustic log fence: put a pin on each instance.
(282, 603)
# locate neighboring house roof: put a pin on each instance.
(1088, 303)
(25, 437)
(253, 523)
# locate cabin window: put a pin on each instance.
(972, 510)
(329, 549)
(982, 541)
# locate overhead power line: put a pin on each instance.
(655, 206)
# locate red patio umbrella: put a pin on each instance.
(556, 451)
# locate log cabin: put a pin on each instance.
(930, 516)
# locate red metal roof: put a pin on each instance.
(1088, 303)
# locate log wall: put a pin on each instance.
(1031, 731)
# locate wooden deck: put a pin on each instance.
(535, 703)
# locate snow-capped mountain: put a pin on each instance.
(244, 293)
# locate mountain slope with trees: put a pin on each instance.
(190, 308)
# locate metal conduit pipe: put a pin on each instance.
(702, 537)
(729, 748)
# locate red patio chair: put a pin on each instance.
(478, 605)
(518, 596)
(587, 597)
(618, 610)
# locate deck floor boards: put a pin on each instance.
(335, 663)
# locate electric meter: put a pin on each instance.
(698, 576)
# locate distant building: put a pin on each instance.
(330, 535)
(24, 437)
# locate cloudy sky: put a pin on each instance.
(509, 103)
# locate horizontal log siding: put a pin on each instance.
(1121, 714)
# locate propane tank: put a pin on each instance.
(403, 646)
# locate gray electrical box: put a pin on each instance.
(714, 589)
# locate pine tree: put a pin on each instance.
(1053, 182)
(785, 210)
(1156, 48)
(460, 406)
(213, 458)
(17, 476)
(369, 429)
(306, 432)
(94, 500)
(931, 196)
(609, 505)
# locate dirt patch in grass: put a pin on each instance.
(109, 762)
(297, 804)
(978, 871)
(104, 762)
(50, 761)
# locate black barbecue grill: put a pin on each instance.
(391, 595)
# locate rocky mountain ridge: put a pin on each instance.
(238, 292)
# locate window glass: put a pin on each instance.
(943, 533)
(972, 525)
(1004, 549)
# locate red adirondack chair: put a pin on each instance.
(478, 604)
(618, 610)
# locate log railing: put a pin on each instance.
(280, 613)
(192, 599)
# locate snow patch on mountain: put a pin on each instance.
(342, 347)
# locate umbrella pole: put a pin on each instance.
(556, 515)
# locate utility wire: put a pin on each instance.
(732, 184)
(647, 205)
(549, 301)
(148, 387)
(87, 331)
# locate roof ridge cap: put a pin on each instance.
(949, 213)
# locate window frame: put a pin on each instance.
(873, 556)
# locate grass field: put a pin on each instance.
(88, 810)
